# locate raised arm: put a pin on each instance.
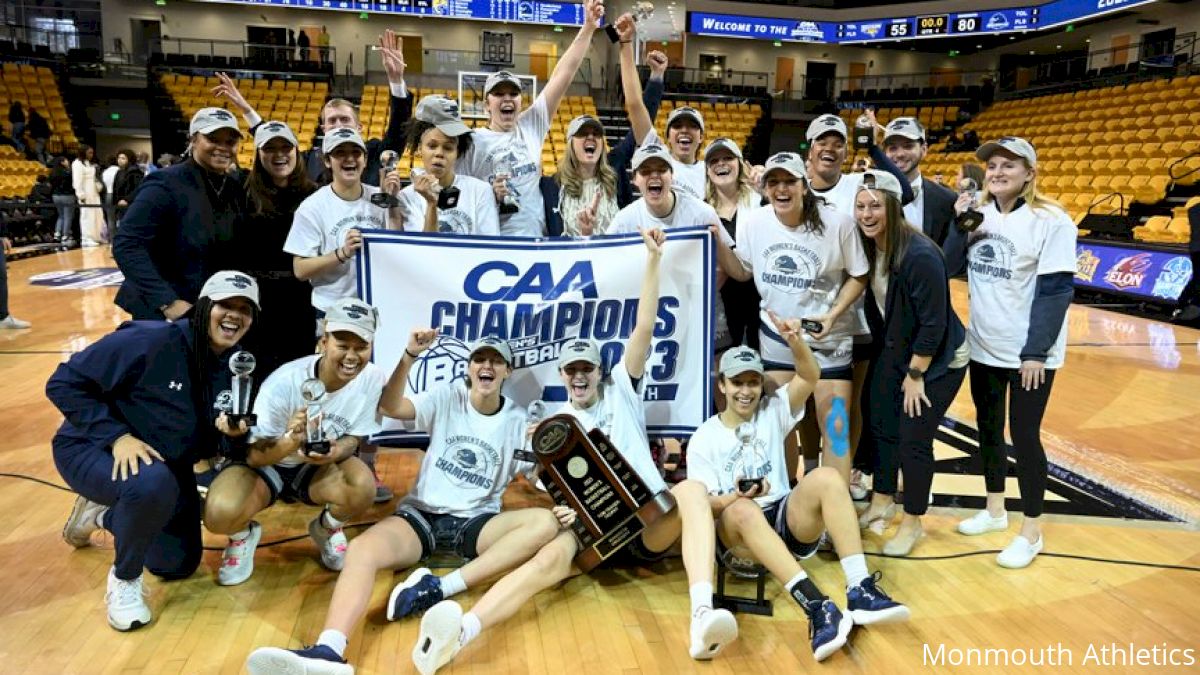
(808, 372)
(394, 403)
(638, 347)
(568, 65)
(631, 82)
(391, 51)
(228, 90)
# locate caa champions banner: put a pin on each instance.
(537, 294)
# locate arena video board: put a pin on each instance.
(515, 11)
(1154, 274)
(980, 22)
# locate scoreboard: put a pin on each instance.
(516, 11)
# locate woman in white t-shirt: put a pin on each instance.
(616, 408)
(474, 431)
(327, 229)
(738, 455)
(807, 261)
(438, 136)
(1020, 270)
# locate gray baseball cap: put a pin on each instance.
(500, 77)
(442, 113)
(579, 350)
(341, 136)
(495, 344)
(825, 124)
(274, 129)
(906, 127)
(881, 181)
(648, 152)
(354, 315)
(579, 123)
(686, 112)
(230, 284)
(790, 162)
(1014, 144)
(210, 120)
(722, 144)
(739, 360)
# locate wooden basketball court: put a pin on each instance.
(1121, 432)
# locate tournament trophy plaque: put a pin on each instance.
(241, 364)
(313, 391)
(587, 473)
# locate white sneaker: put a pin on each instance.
(331, 543)
(858, 486)
(83, 521)
(711, 631)
(14, 323)
(126, 600)
(982, 523)
(438, 641)
(1019, 553)
(237, 563)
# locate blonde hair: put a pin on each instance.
(340, 103)
(745, 188)
(570, 173)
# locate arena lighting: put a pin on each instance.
(114, 116)
(777, 43)
(161, 3)
(558, 29)
(364, 16)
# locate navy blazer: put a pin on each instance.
(938, 210)
(918, 317)
(168, 245)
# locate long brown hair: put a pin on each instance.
(263, 192)
(570, 173)
(898, 235)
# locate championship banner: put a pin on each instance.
(538, 294)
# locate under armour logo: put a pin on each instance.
(177, 386)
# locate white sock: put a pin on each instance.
(329, 521)
(702, 593)
(453, 584)
(855, 567)
(471, 628)
(237, 536)
(334, 640)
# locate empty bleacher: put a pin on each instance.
(33, 86)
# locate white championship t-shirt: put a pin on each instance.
(621, 415)
(717, 459)
(841, 195)
(690, 178)
(475, 213)
(1004, 258)
(320, 226)
(352, 410)
(786, 262)
(470, 460)
(521, 150)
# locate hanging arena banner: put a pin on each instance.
(537, 294)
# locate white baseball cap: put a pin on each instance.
(740, 359)
(722, 144)
(686, 112)
(825, 124)
(906, 127)
(274, 129)
(495, 344)
(354, 315)
(442, 113)
(209, 120)
(790, 162)
(578, 350)
(341, 136)
(1014, 144)
(881, 181)
(582, 121)
(230, 284)
(648, 152)
(500, 77)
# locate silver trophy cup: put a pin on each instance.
(313, 391)
(752, 467)
(241, 364)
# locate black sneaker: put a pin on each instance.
(314, 660)
(828, 628)
(868, 604)
(420, 591)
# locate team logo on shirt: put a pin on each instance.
(790, 267)
(469, 462)
(443, 361)
(991, 258)
(1129, 272)
(748, 461)
(454, 221)
(1173, 278)
(224, 402)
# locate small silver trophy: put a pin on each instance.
(388, 159)
(864, 132)
(508, 205)
(970, 219)
(825, 292)
(313, 391)
(241, 364)
(536, 412)
(752, 467)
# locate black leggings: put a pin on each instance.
(990, 386)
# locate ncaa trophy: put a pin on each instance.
(971, 219)
(241, 364)
(752, 469)
(586, 472)
(508, 205)
(312, 391)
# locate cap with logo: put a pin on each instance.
(579, 123)
(230, 284)
(495, 344)
(210, 120)
(882, 181)
(649, 152)
(354, 315)
(579, 350)
(340, 137)
(906, 127)
(740, 360)
(442, 113)
(1014, 144)
(271, 130)
(686, 112)
(790, 162)
(501, 77)
(826, 124)
(722, 144)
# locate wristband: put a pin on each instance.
(410, 353)
(337, 253)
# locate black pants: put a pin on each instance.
(1191, 292)
(990, 389)
(906, 443)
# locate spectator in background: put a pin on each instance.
(7, 321)
(129, 177)
(954, 143)
(39, 131)
(291, 45)
(178, 228)
(16, 117)
(303, 42)
(85, 179)
(145, 164)
(63, 191)
(323, 45)
(110, 207)
(970, 140)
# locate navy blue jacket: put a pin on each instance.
(139, 380)
(918, 317)
(619, 159)
(938, 210)
(172, 238)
